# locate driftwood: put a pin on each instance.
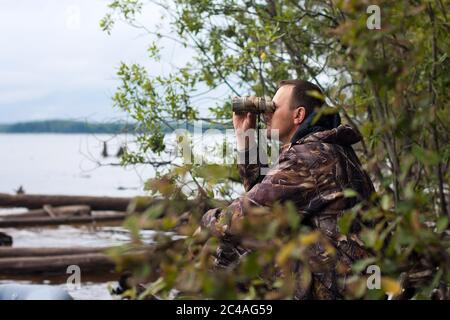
(12, 252)
(49, 221)
(96, 203)
(20, 261)
(59, 264)
(140, 203)
(50, 211)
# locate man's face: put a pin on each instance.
(283, 118)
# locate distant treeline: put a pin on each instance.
(72, 126)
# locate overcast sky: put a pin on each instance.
(53, 67)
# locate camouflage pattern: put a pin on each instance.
(312, 173)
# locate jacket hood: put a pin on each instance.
(327, 128)
(311, 124)
(343, 135)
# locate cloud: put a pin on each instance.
(55, 61)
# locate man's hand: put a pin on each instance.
(242, 123)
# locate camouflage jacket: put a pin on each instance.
(312, 172)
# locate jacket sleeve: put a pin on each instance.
(250, 166)
(288, 180)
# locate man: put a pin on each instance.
(315, 166)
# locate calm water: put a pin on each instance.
(67, 164)
(73, 165)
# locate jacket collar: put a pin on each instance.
(325, 122)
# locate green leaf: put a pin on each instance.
(292, 215)
(345, 222)
(350, 193)
(155, 211)
(369, 237)
(361, 265)
(441, 224)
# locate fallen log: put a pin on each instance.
(36, 201)
(54, 212)
(59, 264)
(54, 262)
(49, 221)
(11, 252)
(139, 203)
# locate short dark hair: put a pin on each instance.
(306, 94)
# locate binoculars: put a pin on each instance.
(252, 104)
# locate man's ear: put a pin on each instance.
(299, 115)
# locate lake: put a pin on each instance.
(67, 164)
(72, 164)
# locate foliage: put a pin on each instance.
(392, 84)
